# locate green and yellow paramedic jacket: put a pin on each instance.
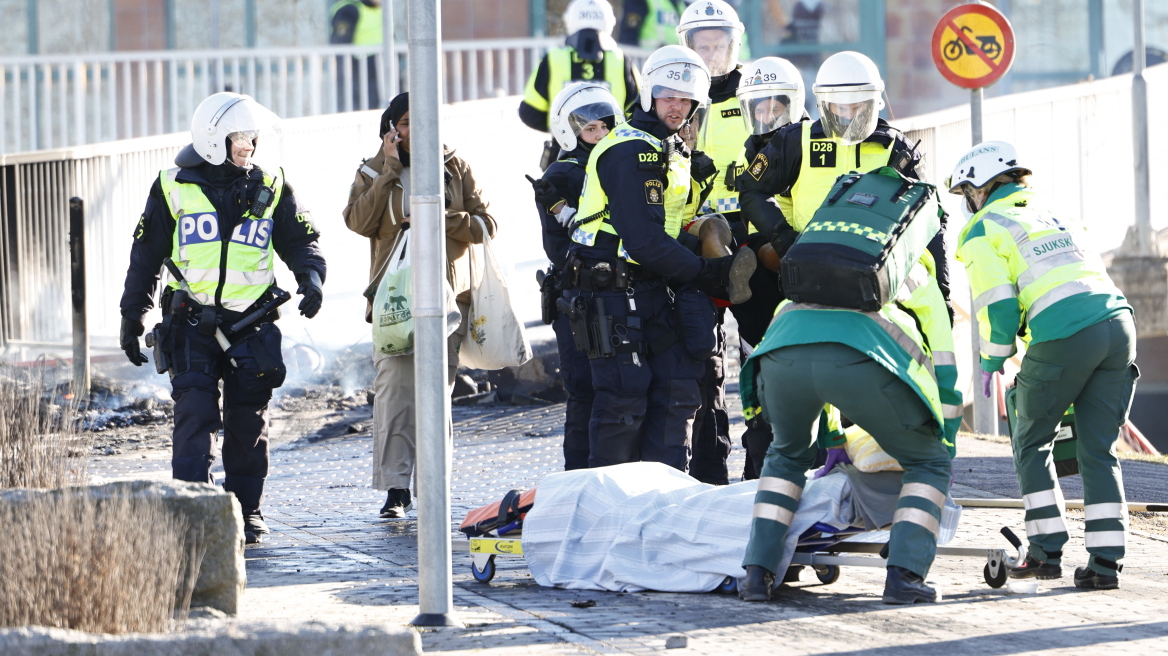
(365, 31)
(911, 337)
(200, 217)
(1025, 267)
(632, 206)
(560, 67)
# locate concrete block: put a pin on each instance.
(219, 639)
(211, 513)
(1144, 282)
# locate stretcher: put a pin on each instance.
(823, 547)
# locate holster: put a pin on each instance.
(160, 340)
(549, 292)
(584, 338)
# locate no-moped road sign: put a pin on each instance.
(973, 45)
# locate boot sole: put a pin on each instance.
(1090, 584)
(745, 262)
(1035, 575)
(900, 601)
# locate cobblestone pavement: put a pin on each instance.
(330, 557)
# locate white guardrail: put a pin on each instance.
(54, 101)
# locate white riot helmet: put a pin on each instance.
(676, 72)
(228, 115)
(848, 91)
(589, 15)
(979, 166)
(711, 28)
(770, 94)
(579, 104)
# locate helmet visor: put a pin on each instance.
(767, 110)
(602, 111)
(717, 46)
(850, 122)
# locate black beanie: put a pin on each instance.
(392, 114)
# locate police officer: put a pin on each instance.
(358, 23)
(631, 282)
(582, 114)
(650, 24)
(891, 372)
(770, 96)
(1030, 270)
(803, 160)
(588, 55)
(221, 219)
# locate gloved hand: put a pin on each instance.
(545, 192)
(987, 379)
(564, 216)
(835, 456)
(701, 166)
(128, 340)
(310, 288)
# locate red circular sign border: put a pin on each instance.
(1007, 48)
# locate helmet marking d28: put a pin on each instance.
(675, 72)
(711, 28)
(771, 95)
(577, 105)
(848, 90)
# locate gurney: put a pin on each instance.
(649, 542)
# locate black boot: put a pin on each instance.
(397, 504)
(254, 527)
(728, 278)
(1087, 578)
(904, 587)
(757, 584)
(1036, 569)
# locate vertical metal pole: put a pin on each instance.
(80, 320)
(1145, 241)
(985, 411)
(428, 244)
(388, 58)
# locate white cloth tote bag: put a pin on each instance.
(494, 337)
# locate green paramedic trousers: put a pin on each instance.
(794, 383)
(1094, 370)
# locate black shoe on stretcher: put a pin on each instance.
(757, 584)
(904, 587)
(1032, 568)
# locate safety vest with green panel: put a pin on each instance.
(911, 337)
(1024, 265)
(246, 265)
(723, 142)
(565, 67)
(824, 160)
(368, 29)
(660, 26)
(594, 211)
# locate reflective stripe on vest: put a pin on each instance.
(901, 327)
(563, 61)
(724, 135)
(594, 211)
(367, 32)
(198, 247)
(824, 160)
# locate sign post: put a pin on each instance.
(973, 47)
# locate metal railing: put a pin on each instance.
(55, 101)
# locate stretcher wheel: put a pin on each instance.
(485, 574)
(728, 586)
(827, 574)
(994, 581)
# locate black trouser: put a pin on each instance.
(711, 432)
(576, 373)
(754, 317)
(198, 364)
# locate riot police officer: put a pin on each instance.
(588, 55)
(637, 298)
(221, 219)
(582, 114)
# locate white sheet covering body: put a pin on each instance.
(647, 526)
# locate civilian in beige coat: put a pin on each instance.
(379, 208)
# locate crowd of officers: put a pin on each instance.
(671, 194)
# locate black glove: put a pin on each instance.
(701, 166)
(128, 340)
(310, 288)
(546, 193)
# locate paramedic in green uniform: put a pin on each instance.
(888, 371)
(1028, 269)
